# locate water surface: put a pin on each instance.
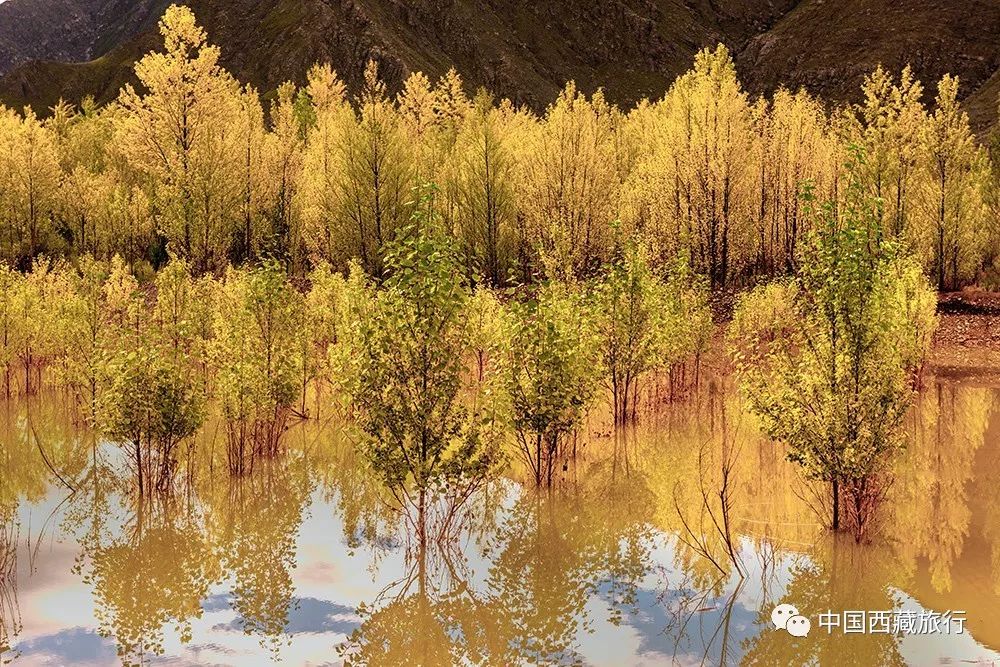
(306, 563)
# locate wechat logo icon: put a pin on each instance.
(787, 617)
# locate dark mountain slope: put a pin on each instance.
(518, 48)
(829, 46)
(58, 29)
(70, 30)
(528, 49)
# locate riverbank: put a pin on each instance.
(967, 342)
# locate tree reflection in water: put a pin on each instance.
(10, 613)
(594, 567)
(837, 575)
(539, 562)
(153, 573)
(253, 524)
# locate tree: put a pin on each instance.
(181, 323)
(826, 359)
(482, 172)
(9, 325)
(704, 142)
(38, 302)
(29, 185)
(417, 103)
(150, 407)
(955, 172)
(322, 192)
(551, 374)
(412, 351)
(643, 323)
(793, 147)
(257, 356)
(489, 332)
(376, 177)
(253, 177)
(180, 137)
(892, 120)
(569, 185)
(95, 323)
(337, 307)
(281, 239)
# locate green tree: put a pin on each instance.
(826, 359)
(551, 373)
(644, 323)
(412, 350)
(150, 407)
(256, 352)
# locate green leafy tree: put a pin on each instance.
(150, 407)
(644, 323)
(826, 359)
(337, 305)
(258, 357)
(411, 353)
(551, 373)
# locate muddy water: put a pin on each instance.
(305, 563)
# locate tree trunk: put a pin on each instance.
(836, 504)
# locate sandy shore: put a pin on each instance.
(967, 342)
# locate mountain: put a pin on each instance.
(70, 30)
(829, 46)
(522, 49)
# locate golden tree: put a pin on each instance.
(179, 137)
(481, 175)
(417, 112)
(252, 137)
(280, 238)
(950, 234)
(377, 176)
(29, 183)
(793, 148)
(569, 186)
(322, 190)
(696, 177)
(909, 117)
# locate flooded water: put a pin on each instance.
(305, 563)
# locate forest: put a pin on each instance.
(464, 280)
(426, 377)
